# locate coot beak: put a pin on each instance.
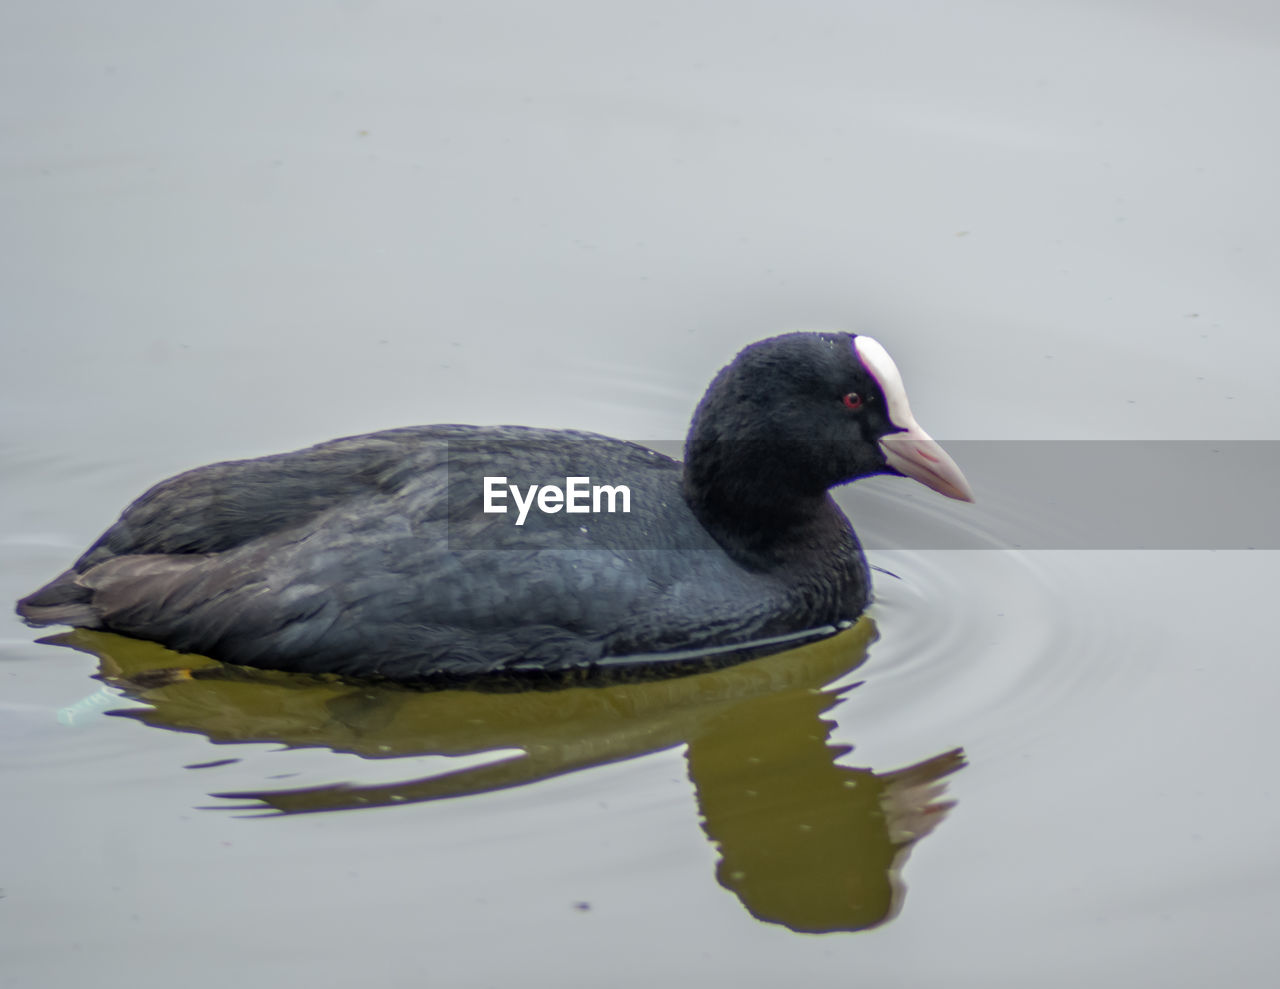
(910, 451)
(916, 454)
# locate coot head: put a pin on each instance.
(794, 415)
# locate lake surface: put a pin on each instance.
(234, 231)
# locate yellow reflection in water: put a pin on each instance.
(804, 842)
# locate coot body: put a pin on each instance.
(403, 554)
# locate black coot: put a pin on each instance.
(375, 555)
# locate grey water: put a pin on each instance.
(235, 230)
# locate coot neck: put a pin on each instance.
(760, 515)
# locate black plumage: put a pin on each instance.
(371, 556)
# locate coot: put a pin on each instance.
(405, 554)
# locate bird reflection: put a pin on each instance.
(804, 841)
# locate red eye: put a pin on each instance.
(852, 401)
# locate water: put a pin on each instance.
(237, 232)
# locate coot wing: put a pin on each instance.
(221, 506)
(368, 555)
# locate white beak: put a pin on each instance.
(912, 452)
(917, 455)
